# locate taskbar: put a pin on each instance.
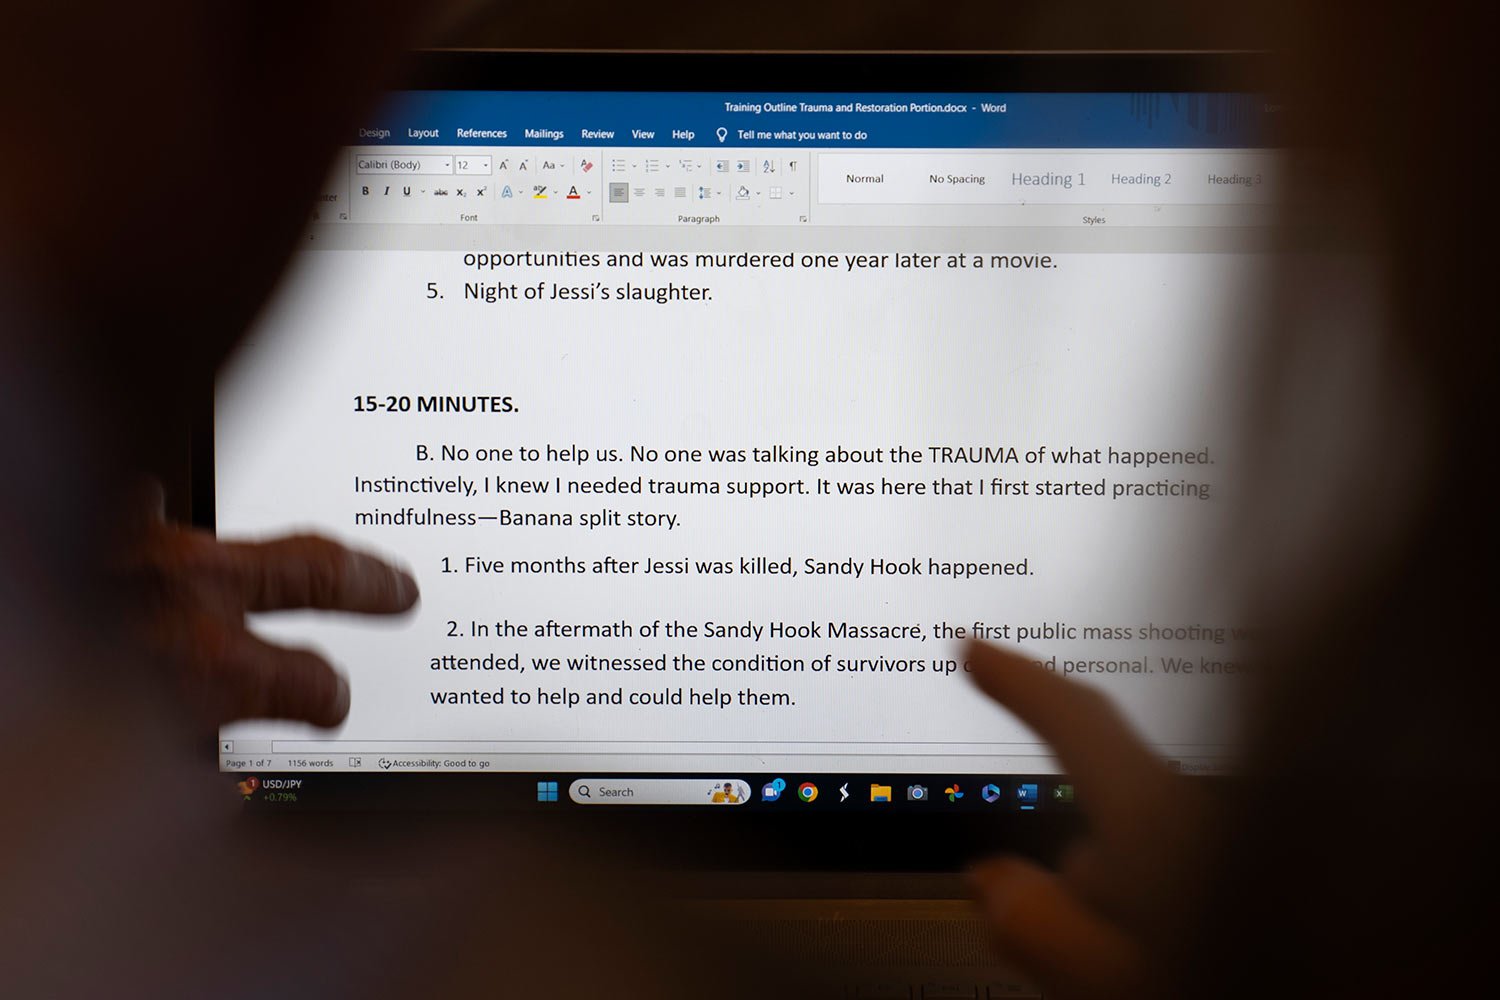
(729, 793)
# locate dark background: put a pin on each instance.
(844, 25)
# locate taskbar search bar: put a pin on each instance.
(659, 791)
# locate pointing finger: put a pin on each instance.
(1092, 740)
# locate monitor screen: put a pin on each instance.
(713, 422)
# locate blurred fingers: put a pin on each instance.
(1051, 935)
(306, 571)
(147, 500)
(1091, 739)
(249, 678)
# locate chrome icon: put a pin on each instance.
(807, 791)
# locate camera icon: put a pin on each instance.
(916, 793)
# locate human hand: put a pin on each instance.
(1090, 930)
(187, 594)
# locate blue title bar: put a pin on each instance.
(944, 121)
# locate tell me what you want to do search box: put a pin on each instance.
(660, 791)
(1176, 177)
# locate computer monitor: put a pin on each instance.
(715, 400)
